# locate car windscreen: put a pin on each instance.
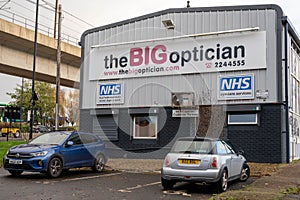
(50, 139)
(192, 147)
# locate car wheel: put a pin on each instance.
(55, 167)
(222, 184)
(167, 184)
(245, 173)
(17, 134)
(99, 163)
(15, 172)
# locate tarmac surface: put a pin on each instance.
(135, 165)
(283, 184)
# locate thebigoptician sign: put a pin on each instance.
(184, 55)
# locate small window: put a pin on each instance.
(76, 139)
(229, 147)
(145, 127)
(244, 118)
(192, 147)
(86, 138)
(221, 149)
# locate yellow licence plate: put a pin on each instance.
(189, 162)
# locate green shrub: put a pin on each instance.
(68, 128)
(5, 145)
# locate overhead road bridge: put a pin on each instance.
(16, 56)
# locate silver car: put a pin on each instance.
(203, 160)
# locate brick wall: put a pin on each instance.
(169, 129)
(86, 121)
(261, 143)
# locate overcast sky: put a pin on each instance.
(103, 12)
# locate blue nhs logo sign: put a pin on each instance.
(110, 89)
(110, 93)
(236, 83)
(236, 87)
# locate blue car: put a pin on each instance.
(51, 153)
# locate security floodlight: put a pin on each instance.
(169, 24)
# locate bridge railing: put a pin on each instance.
(30, 24)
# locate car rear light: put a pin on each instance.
(167, 162)
(214, 162)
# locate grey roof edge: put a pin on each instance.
(292, 30)
(186, 10)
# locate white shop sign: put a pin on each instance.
(186, 55)
(185, 113)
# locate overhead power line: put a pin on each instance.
(4, 4)
(79, 19)
(22, 12)
(49, 4)
(45, 17)
(53, 7)
(40, 5)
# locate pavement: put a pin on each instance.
(135, 165)
(282, 184)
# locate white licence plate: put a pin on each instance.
(16, 162)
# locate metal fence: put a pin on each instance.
(30, 24)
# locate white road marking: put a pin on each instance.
(90, 177)
(79, 179)
(124, 191)
(138, 187)
(172, 192)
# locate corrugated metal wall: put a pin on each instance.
(153, 91)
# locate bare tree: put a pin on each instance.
(62, 107)
(72, 107)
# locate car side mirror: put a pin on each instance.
(240, 152)
(69, 143)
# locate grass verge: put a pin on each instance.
(291, 190)
(5, 145)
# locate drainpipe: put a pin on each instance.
(286, 84)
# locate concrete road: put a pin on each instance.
(86, 185)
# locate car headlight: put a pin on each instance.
(41, 153)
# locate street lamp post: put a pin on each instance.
(33, 94)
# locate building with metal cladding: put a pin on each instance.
(230, 72)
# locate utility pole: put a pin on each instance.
(22, 103)
(58, 59)
(55, 18)
(33, 94)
